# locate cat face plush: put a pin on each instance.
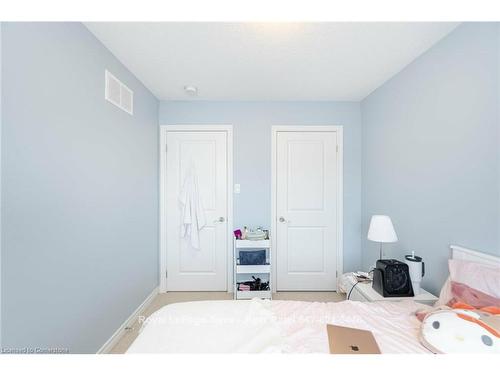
(460, 331)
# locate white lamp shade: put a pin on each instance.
(381, 229)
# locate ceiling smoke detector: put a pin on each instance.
(191, 90)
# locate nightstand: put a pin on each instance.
(365, 293)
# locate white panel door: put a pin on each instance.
(306, 210)
(189, 269)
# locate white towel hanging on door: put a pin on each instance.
(192, 213)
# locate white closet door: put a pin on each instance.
(306, 210)
(190, 269)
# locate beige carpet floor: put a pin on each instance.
(173, 297)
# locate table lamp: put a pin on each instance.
(382, 231)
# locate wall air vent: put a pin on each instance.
(118, 94)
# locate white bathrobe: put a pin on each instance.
(192, 213)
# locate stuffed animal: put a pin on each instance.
(462, 330)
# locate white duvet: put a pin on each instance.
(262, 326)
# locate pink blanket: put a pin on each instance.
(262, 326)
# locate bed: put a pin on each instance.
(264, 326)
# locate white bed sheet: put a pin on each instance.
(261, 326)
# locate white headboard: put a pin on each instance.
(458, 252)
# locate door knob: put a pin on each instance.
(282, 219)
(220, 220)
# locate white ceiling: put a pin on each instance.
(273, 61)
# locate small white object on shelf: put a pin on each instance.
(244, 272)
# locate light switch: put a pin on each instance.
(237, 188)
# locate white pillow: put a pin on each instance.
(480, 276)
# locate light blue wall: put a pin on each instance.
(431, 154)
(1, 25)
(80, 197)
(252, 123)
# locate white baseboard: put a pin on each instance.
(108, 345)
